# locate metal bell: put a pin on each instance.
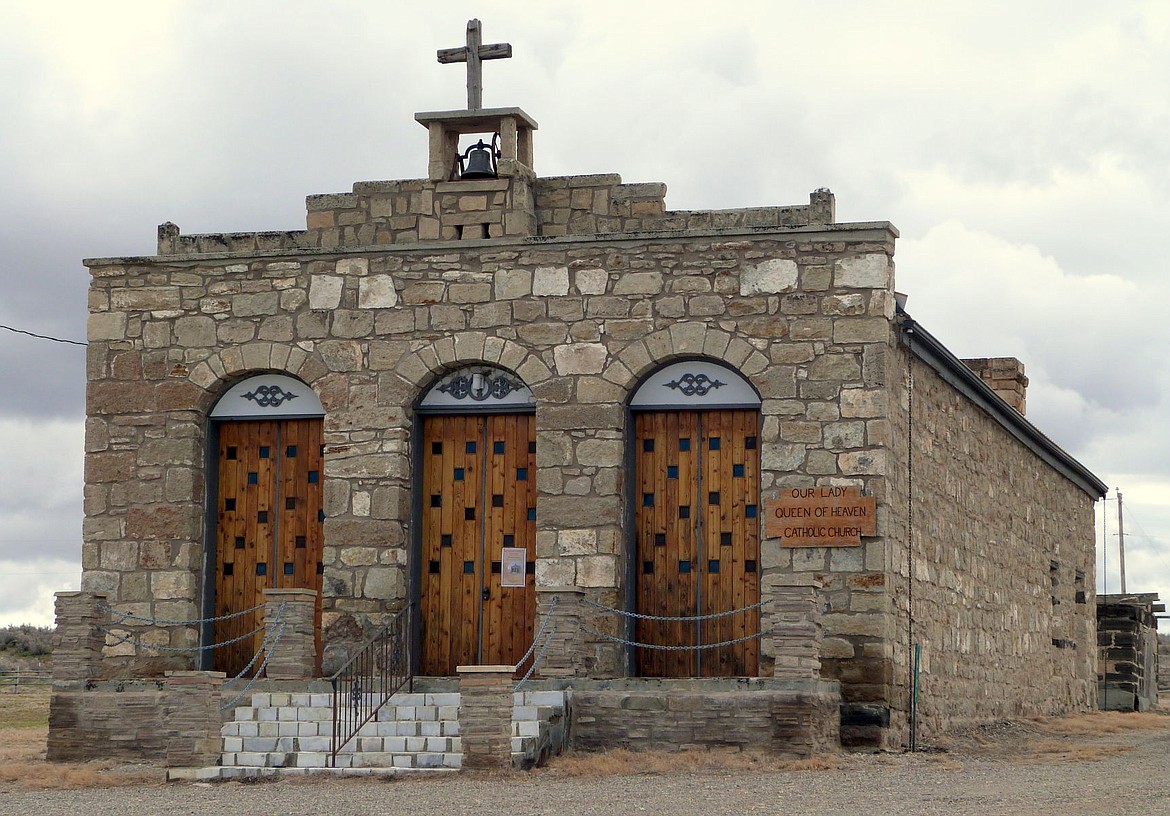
(478, 162)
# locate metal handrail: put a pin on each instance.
(369, 679)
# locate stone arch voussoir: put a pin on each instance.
(225, 367)
(693, 339)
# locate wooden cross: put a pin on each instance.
(473, 54)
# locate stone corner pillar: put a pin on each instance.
(79, 639)
(485, 715)
(290, 631)
(795, 616)
(191, 719)
(563, 656)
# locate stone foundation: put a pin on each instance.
(793, 718)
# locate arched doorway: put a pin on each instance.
(476, 486)
(265, 512)
(695, 490)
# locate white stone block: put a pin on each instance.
(267, 714)
(408, 699)
(429, 760)
(403, 761)
(591, 281)
(321, 700)
(269, 729)
(871, 271)
(451, 728)
(447, 698)
(523, 712)
(251, 759)
(232, 744)
(230, 729)
(430, 729)
(556, 699)
(395, 745)
(299, 699)
(377, 292)
(277, 699)
(315, 744)
(769, 277)
(449, 712)
(248, 729)
(425, 713)
(289, 713)
(437, 744)
(528, 728)
(325, 291)
(452, 760)
(312, 759)
(550, 280)
(580, 358)
(416, 744)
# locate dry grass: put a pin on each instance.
(1087, 736)
(1103, 723)
(623, 762)
(25, 708)
(24, 728)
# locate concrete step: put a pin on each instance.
(292, 732)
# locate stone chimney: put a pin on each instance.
(1006, 377)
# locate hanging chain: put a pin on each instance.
(641, 616)
(719, 645)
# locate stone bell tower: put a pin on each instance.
(499, 201)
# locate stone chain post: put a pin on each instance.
(192, 719)
(78, 642)
(563, 656)
(290, 613)
(797, 606)
(485, 715)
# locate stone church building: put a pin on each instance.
(467, 391)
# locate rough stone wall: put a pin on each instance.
(91, 724)
(803, 313)
(998, 587)
(1127, 672)
(799, 721)
(379, 213)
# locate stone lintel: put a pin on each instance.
(473, 186)
(876, 231)
(509, 670)
(474, 121)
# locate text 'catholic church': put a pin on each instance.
(564, 430)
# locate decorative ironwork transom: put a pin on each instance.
(692, 384)
(697, 384)
(479, 387)
(268, 396)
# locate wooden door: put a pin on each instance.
(697, 528)
(478, 497)
(268, 526)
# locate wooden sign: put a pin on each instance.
(820, 517)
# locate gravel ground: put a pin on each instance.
(1004, 774)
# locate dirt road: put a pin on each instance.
(1087, 766)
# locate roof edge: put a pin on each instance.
(930, 350)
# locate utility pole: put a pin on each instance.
(1121, 541)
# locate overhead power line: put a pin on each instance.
(43, 336)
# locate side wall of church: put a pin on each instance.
(998, 585)
(805, 316)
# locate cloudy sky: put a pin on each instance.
(1020, 147)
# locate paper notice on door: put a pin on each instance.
(512, 566)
